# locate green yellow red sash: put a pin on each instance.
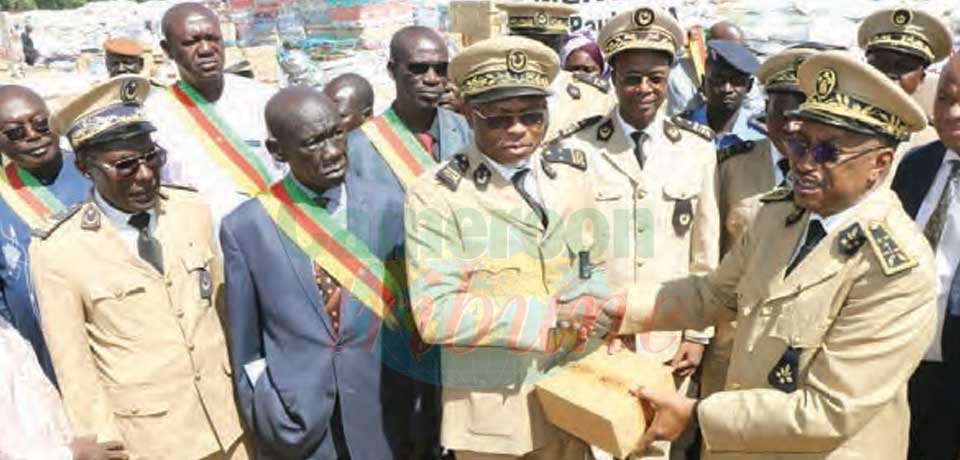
(220, 142)
(398, 146)
(332, 247)
(28, 198)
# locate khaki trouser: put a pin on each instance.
(568, 448)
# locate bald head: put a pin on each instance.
(725, 30)
(294, 106)
(10, 94)
(409, 38)
(305, 133)
(353, 95)
(178, 15)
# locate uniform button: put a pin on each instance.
(734, 386)
(640, 263)
(134, 411)
(190, 347)
(639, 194)
(196, 376)
(168, 282)
(179, 313)
(119, 293)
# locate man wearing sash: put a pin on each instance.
(315, 299)
(492, 236)
(414, 133)
(129, 286)
(210, 122)
(37, 182)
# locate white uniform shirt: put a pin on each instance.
(121, 222)
(241, 106)
(947, 252)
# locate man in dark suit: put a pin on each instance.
(928, 183)
(414, 134)
(323, 367)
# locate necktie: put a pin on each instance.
(638, 138)
(148, 247)
(427, 142)
(784, 166)
(517, 180)
(934, 227)
(330, 290)
(815, 233)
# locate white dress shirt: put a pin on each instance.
(241, 106)
(529, 183)
(121, 222)
(947, 253)
(652, 134)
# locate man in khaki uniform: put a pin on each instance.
(832, 288)
(656, 194)
(747, 170)
(492, 235)
(902, 43)
(128, 285)
(575, 96)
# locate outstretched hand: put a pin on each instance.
(673, 414)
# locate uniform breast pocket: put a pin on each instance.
(141, 420)
(119, 309)
(197, 265)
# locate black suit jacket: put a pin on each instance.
(916, 173)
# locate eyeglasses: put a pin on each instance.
(421, 68)
(18, 133)
(529, 119)
(128, 167)
(823, 153)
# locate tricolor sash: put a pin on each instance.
(398, 146)
(29, 199)
(332, 247)
(220, 142)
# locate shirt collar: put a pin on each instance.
(950, 155)
(333, 194)
(508, 170)
(835, 221)
(628, 129)
(118, 218)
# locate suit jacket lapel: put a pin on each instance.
(302, 267)
(920, 181)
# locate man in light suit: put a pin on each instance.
(323, 372)
(129, 287)
(927, 183)
(832, 288)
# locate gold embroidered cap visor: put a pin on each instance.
(504, 67)
(537, 18)
(845, 92)
(779, 72)
(109, 111)
(908, 31)
(644, 28)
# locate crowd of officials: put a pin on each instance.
(215, 269)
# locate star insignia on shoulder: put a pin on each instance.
(703, 131)
(893, 259)
(733, 150)
(452, 172)
(569, 156)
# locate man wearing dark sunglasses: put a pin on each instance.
(494, 226)
(657, 168)
(414, 134)
(832, 288)
(902, 43)
(129, 285)
(576, 98)
(38, 180)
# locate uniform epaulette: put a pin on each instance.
(777, 194)
(180, 187)
(573, 157)
(694, 127)
(893, 259)
(733, 150)
(452, 171)
(594, 81)
(55, 221)
(574, 128)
